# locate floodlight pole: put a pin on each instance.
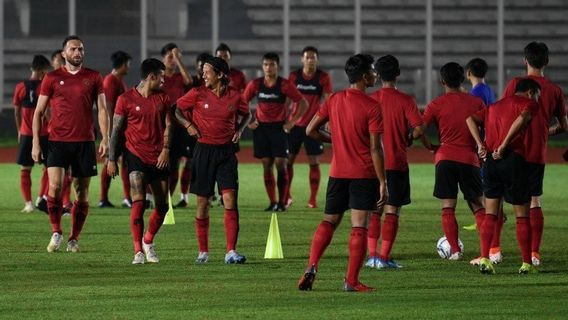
(143, 29)
(357, 40)
(429, 40)
(2, 55)
(286, 36)
(72, 14)
(500, 46)
(214, 25)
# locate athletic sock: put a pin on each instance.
(79, 214)
(54, 211)
(185, 179)
(496, 239)
(137, 224)
(374, 233)
(44, 183)
(479, 216)
(105, 183)
(537, 227)
(486, 233)
(524, 238)
(322, 238)
(231, 222)
(156, 220)
(290, 169)
(315, 176)
(26, 185)
(66, 188)
(357, 251)
(450, 227)
(270, 186)
(202, 233)
(125, 181)
(283, 186)
(390, 229)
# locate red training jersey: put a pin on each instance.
(271, 100)
(174, 86)
(237, 79)
(312, 88)
(449, 112)
(552, 104)
(145, 120)
(113, 87)
(71, 99)
(215, 117)
(399, 112)
(352, 117)
(498, 119)
(25, 98)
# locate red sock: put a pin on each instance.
(185, 179)
(290, 177)
(44, 183)
(231, 228)
(79, 214)
(26, 185)
(269, 185)
(283, 186)
(537, 227)
(105, 183)
(54, 210)
(479, 216)
(374, 233)
(202, 233)
(357, 251)
(390, 229)
(174, 177)
(137, 224)
(524, 237)
(322, 238)
(315, 176)
(496, 239)
(156, 220)
(66, 189)
(486, 233)
(125, 180)
(450, 227)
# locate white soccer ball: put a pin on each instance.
(443, 247)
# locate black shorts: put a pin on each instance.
(297, 136)
(81, 156)
(451, 174)
(270, 141)
(212, 163)
(182, 145)
(344, 194)
(536, 177)
(151, 172)
(398, 186)
(25, 150)
(508, 178)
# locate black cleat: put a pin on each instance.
(307, 280)
(181, 204)
(281, 208)
(105, 204)
(42, 205)
(272, 207)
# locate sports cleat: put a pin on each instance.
(471, 227)
(288, 203)
(359, 287)
(232, 257)
(73, 246)
(456, 256)
(281, 208)
(485, 266)
(387, 264)
(105, 204)
(138, 258)
(181, 204)
(55, 242)
(28, 207)
(273, 206)
(67, 209)
(151, 255)
(475, 262)
(307, 279)
(126, 203)
(527, 268)
(495, 257)
(372, 262)
(42, 205)
(312, 204)
(535, 258)
(202, 257)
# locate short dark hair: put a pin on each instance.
(310, 48)
(358, 65)
(271, 56)
(536, 54)
(69, 38)
(219, 66)
(202, 57)
(55, 53)
(223, 47)
(151, 66)
(452, 75)
(388, 67)
(40, 62)
(119, 58)
(526, 84)
(478, 67)
(167, 48)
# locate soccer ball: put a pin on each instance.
(443, 247)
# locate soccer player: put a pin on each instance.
(143, 118)
(57, 60)
(270, 127)
(552, 107)
(315, 86)
(70, 92)
(457, 163)
(237, 77)
(177, 82)
(114, 86)
(24, 101)
(505, 167)
(399, 112)
(356, 172)
(215, 108)
(199, 62)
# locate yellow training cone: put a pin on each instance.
(273, 244)
(170, 214)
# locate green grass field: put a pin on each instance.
(101, 283)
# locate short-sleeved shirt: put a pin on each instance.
(552, 104)
(498, 119)
(483, 92)
(312, 88)
(25, 97)
(399, 112)
(174, 86)
(271, 100)
(145, 120)
(215, 117)
(352, 116)
(237, 79)
(71, 100)
(449, 112)
(113, 88)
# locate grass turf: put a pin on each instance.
(100, 282)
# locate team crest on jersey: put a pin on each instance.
(231, 107)
(86, 82)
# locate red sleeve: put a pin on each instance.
(510, 89)
(120, 108)
(243, 107)
(429, 115)
(99, 84)
(250, 91)
(323, 111)
(19, 93)
(46, 87)
(481, 114)
(375, 121)
(243, 81)
(292, 77)
(110, 90)
(188, 101)
(291, 91)
(412, 114)
(533, 108)
(560, 110)
(326, 83)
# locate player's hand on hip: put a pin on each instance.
(253, 125)
(36, 152)
(112, 168)
(163, 159)
(193, 131)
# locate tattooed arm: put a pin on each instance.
(188, 125)
(164, 157)
(118, 122)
